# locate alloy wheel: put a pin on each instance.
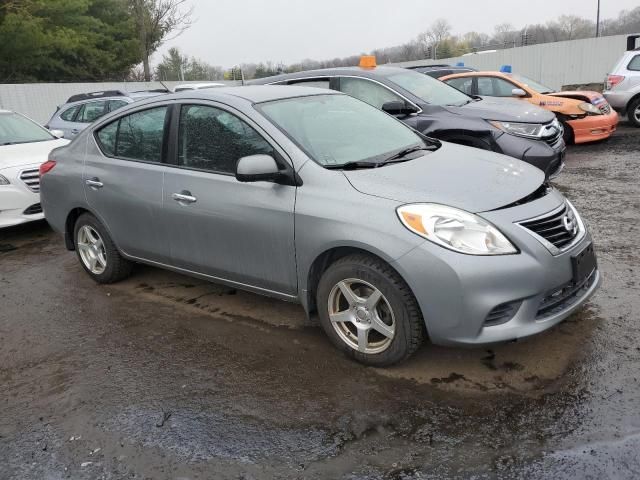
(91, 249)
(361, 316)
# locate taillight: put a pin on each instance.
(613, 80)
(47, 166)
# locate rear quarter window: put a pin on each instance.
(634, 64)
(68, 114)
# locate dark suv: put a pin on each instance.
(435, 109)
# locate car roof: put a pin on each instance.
(90, 100)
(330, 72)
(491, 73)
(249, 93)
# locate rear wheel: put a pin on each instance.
(368, 311)
(97, 253)
(633, 112)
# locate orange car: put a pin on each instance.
(586, 116)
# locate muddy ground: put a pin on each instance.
(164, 376)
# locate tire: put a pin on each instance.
(567, 134)
(108, 265)
(633, 112)
(397, 308)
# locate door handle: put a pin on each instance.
(184, 197)
(75, 131)
(94, 183)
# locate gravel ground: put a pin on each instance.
(164, 376)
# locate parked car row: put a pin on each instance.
(313, 196)
(341, 189)
(437, 110)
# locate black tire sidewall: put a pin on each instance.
(630, 113)
(109, 248)
(400, 346)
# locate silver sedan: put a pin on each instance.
(312, 196)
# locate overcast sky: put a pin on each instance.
(229, 32)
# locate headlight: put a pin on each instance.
(4, 180)
(589, 108)
(529, 130)
(455, 229)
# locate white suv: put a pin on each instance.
(622, 86)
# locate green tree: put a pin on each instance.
(175, 66)
(66, 40)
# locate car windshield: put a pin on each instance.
(335, 130)
(15, 128)
(538, 87)
(429, 89)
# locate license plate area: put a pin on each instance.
(583, 264)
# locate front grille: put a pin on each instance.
(502, 313)
(563, 297)
(33, 209)
(605, 109)
(31, 178)
(559, 228)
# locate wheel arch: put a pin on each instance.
(325, 259)
(70, 223)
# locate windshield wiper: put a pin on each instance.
(353, 165)
(399, 157)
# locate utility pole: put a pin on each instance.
(598, 21)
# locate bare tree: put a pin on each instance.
(503, 33)
(572, 26)
(158, 21)
(439, 30)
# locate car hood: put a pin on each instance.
(581, 96)
(505, 110)
(28, 153)
(463, 177)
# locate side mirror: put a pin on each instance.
(397, 107)
(57, 133)
(518, 92)
(257, 168)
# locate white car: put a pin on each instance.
(24, 146)
(196, 86)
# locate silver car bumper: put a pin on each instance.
(459, 293)
(618, 100)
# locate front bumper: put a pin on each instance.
(547, 157)
(618, 99)
(458, 292)
(594, 127)
(18, 204)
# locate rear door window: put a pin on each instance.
(90, 112)
(465, 85)
(138, 136)
(370, 92)
(316, 83)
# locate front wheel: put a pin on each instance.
(368, 311)
(633, 112)
(97, 253)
